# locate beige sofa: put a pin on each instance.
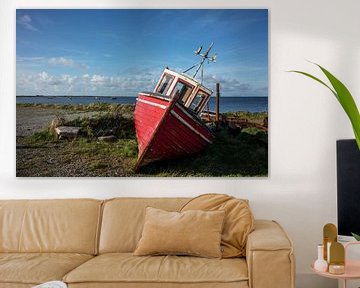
(89, 243)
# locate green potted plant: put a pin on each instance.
(344, 97)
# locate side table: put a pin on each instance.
(352, 268)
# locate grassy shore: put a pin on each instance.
(243, 153)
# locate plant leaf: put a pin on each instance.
(316, 79)
(357, 237)
(347, 102)
(357, 137)
(344, 97)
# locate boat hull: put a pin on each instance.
(165, 130)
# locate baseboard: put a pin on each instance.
(310, 280)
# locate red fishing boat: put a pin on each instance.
(167, 121)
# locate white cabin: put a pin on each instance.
(190, 92)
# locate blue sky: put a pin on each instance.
(123, 52)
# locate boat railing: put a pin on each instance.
(157, 95)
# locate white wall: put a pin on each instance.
(305, 120)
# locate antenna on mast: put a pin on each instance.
(204, 56)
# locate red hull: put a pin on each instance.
(167, 130)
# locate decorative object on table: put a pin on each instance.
(348, 270)
(333, 252)
(320, 264)
(329, 236)
(344, 97)
(336, 269)
(51, 284)
(337, 258)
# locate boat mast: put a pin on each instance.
(204, 57)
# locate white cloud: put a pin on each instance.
(25, 20)
(129, 84)
(43, 76)
(61, 61)
(234, 87)
(67, 62)
(85, 84)
(98, 79)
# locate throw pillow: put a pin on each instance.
(239, 220)
(196, 233)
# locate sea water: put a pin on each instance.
(227, 104)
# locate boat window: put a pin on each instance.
(165, 84)
(198, 101)
(182, 91)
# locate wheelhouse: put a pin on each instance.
(191, 93)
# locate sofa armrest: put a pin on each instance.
(269, 256)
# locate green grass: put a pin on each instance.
(105, 124)
(122, 147)
(42, 136)
(248, 115)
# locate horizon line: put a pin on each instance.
(111, 96)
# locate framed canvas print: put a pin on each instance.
(135, 92)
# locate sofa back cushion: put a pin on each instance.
(193, 232)
(66, 226)
(238, 224)
(123, 220)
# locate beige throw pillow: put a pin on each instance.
(194, 232)
(239, 220)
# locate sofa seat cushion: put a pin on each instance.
(36, 268)
(127, 268)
